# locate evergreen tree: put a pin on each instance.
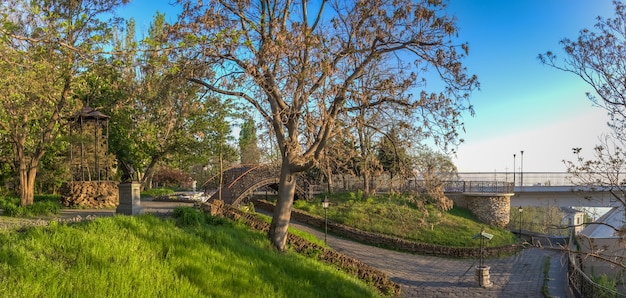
(248, 148)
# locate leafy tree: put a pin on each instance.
(434, 169)
(393, 156)
(157, 115)
(44, 45)
(297, 65)
(248, 148)
(340, 157)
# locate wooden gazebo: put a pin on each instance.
(89, 162)
(90, 122)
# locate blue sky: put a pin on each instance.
(522, 104)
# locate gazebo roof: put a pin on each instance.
(88, 113)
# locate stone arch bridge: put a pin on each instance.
(240, 181)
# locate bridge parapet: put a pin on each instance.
(479, 186)
(462, 186)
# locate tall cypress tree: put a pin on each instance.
(248, 149)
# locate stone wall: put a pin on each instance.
(389, 241)
(91, 194)
(492, 209)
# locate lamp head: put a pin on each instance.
(325, 202)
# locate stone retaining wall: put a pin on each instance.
(348, 264)
(91, 194)
(390, 241)
(492, 209)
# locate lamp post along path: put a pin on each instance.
(325, 204)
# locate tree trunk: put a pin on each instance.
(366, 183)
(282, 212)
(329, 179)
(27, 185)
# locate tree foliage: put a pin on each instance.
(393, 156)
(159, 116)
(248, 148)
(44, 45)
(434, 169)
(297, 65)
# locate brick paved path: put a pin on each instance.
(426, 276)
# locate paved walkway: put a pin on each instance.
(427, 276)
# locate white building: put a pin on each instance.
(573, 218)
(606, 238)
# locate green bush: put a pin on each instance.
(157, 192)
(188, 216)
(605, 281)
(47, 198)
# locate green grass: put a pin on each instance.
(144, 256)
(43, 205)
(398, 216)
(546, 278)
(156, 192)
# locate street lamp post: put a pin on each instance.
(520, 209)
(325, 204)
(513, 171)
(521, 174)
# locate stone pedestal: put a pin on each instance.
(130, 199)
(482, 276)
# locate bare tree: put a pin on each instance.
(297, 66)
(597, 57)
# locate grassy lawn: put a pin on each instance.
(144, 256)
(398, 216)
(43, 205)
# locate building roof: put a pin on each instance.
(570, 210)
(608, 225)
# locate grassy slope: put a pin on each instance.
(144, 256)
(399, 216)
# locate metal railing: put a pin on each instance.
(521, 178)
(583, 285)
(466, 186)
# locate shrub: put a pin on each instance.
(188, 216)
(606, 282)
(47, 198)
(157, 192)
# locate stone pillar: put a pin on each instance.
(130, 198)
(482, 276)
(490, 208)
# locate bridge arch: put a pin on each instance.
(242, 180)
